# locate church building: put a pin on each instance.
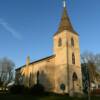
(60, 72)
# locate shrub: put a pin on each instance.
(37, 89)
(21, 89)
(18, 89)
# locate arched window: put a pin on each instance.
(72, 41)
(38, 77)
(59, 42)
(75, 78)
(73, 58)
(30, 80)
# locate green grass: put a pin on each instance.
(43, 97)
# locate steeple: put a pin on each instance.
(65, 23)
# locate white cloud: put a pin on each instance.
(13, 32)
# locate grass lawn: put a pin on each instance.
(43, 97)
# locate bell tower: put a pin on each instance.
(67, 56)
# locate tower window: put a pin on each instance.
(73, 58)
(59, 42)
(72, 41)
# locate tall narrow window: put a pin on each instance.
(72, 41)
(38, 77)
(73, 58)
(30, 80)
(59, 42)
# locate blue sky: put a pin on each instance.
(27, 27)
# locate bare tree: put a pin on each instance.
(93, 62)
(91, 57)
(90, 66)
(6, 70)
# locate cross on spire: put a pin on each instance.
(64, 3)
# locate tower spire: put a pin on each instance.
(65, 23)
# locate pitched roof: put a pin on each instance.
(65, 23)
(49, 57)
